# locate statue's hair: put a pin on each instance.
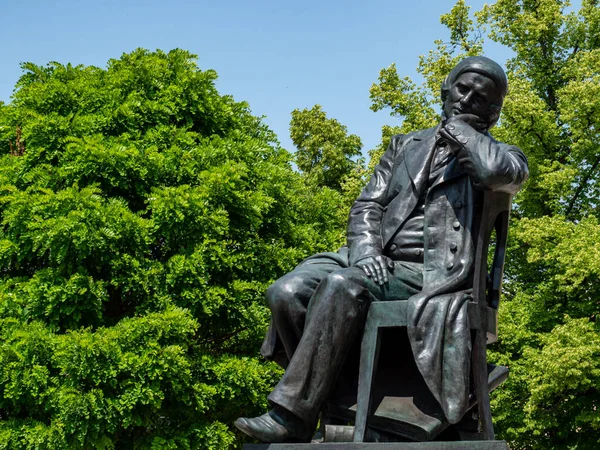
(480, 65)
(483, 66)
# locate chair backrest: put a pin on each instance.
(492, 214)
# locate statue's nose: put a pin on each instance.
(466, 99)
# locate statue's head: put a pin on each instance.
(477, 85)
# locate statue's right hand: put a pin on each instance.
(377, 268)
(477, 123)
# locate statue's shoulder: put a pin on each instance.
(493, 139)
(419, 135)
(423, 134)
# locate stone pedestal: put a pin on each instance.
(459, 445)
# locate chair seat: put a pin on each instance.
(394, 314)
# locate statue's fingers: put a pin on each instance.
(451, 140)
(375, 272)
(469, 119)
(381, 274)
(385, 274)
(366, 269)
(382, 266)
(446, 134)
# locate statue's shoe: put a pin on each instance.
(266, 429)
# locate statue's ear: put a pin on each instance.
(445, 89)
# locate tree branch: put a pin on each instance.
(573, 53)
(582, 186)
(534, 132)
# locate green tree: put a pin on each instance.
(325, 150)
(140, 227)
(548, 318)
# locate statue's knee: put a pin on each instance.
(338, 280)
(347, 284)
(280, 294)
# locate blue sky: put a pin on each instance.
(276, 55)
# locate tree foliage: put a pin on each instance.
(324, 149)
(548, 319)
(140, 228)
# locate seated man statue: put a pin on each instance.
(409, 237)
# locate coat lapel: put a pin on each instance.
(417, 153)
(417, 157)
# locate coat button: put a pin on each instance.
(393, 247)
(458, 204)
(456, 225)
(450, 266)
(418, 252)
(453, 247)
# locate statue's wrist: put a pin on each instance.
(365, 258)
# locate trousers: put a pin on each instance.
(317, 310)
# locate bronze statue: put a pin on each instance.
(409, 237)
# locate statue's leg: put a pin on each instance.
(331, 317)
(288, 299)
(335, 312)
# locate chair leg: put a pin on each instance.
(482, 393)
(369, 355)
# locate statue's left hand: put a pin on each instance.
(377, 267)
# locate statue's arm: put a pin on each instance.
(364, 222)
(490, 164)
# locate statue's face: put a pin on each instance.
(473, 93)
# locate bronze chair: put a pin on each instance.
(412, 413)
